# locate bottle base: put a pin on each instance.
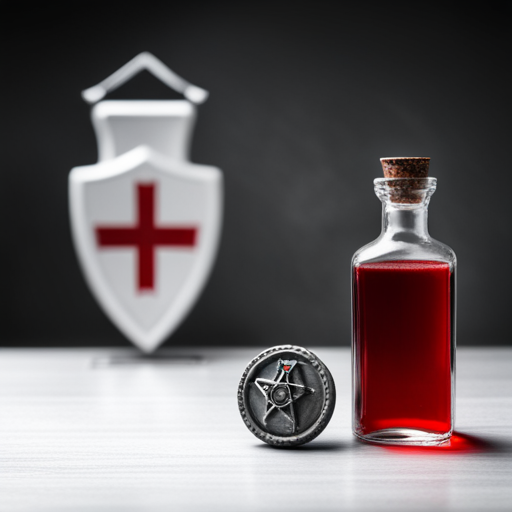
(405, 436)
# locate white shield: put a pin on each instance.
(146, 229)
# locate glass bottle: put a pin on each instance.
(403, 307)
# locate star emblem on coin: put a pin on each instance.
(281, 393)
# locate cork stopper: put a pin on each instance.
(405, 167)
(406, 191)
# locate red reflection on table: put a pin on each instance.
(459, 443)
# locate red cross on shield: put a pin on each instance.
(145, 236)
(146, 229)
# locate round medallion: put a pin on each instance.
(286, 396)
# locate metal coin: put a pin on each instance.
(286, 396)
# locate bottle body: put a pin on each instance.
(403, 342)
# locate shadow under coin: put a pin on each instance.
(320, 446)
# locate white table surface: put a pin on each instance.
(103, 430)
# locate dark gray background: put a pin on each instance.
(304, 101)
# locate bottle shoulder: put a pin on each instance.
(386, 249)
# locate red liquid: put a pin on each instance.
(402, 351)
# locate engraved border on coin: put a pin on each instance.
(327, 409)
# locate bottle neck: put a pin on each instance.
(405, 224)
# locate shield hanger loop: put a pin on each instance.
(149, 62)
